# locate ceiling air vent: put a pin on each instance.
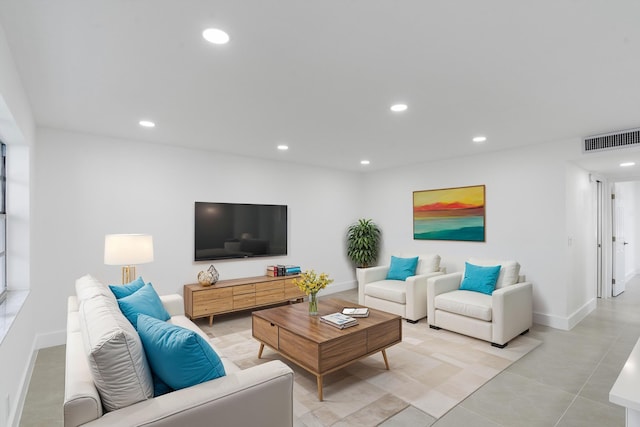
(611, 141)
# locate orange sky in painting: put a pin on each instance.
(454, 198)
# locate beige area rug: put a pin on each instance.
(433, 370)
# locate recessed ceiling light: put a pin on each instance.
(364, 162)
(215, 36)
(479, 139)
(147, 123)
(627, 164)
(283, 147)
(399, 107)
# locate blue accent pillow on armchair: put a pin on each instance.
(401, 268)
(179, 356)
(480, 279)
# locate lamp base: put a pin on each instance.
(128, 273)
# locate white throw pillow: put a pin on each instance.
(115, 353)
(509, 271)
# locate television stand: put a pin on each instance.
(228, 296)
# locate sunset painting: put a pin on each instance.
(449, 214)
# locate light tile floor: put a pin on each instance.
(563, 382)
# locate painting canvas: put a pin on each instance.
(449, 214)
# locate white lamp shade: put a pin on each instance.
(128, 249)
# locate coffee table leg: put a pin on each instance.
(211, 320)
(260, 351)
(386, 362)
(319, 381)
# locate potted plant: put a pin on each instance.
(363, 242)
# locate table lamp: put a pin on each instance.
(128, 250)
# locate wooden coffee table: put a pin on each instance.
(320, 348)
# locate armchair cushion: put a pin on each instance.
(389, 290)
(480, 279)
(466, 303)
(428, 264)
(401, 268)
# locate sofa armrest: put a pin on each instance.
(416, 286)
(258, 396)
(512, 311)
(438, 285)
(173, 303)
(368, 275)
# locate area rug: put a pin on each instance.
(431, 370)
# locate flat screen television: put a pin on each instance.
(239, 230)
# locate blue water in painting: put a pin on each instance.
(455, 228)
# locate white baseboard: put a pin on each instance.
(565, 323)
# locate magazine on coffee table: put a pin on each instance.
(356, 311)
(339, 320)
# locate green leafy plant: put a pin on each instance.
(363, 242)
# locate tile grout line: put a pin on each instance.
(575, 397)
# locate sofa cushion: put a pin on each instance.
(116, 357)
(144, 301)
(509, 271)
(401, 268)
(121, 291)
(88, 287)
(465, 303)
(180, 357)
(480, 279)
(390, 290)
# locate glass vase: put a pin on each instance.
(313, 304)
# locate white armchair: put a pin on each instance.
(497, 318)
(407, 298)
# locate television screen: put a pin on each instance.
(239, 230)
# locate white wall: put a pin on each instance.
(525, 217)
(88, 186)
(581, 244)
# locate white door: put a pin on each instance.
(618, 246)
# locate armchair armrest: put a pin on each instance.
(173, 303)
(368, 275)
(438, 285)
(267, 389)
(512, 311)
(417, 295)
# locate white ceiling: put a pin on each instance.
(320, 75)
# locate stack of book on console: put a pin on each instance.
(283, 270)
(339, 320)
(356, 311)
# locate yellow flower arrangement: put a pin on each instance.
(310, 283)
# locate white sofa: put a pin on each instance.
(408, 298)
(261, 395)
(497, 318)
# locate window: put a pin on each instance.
(3, 222)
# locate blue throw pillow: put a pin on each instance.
(121, 291)
(401, 268)
(144, 301)
(480, 279)
(180, 357)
